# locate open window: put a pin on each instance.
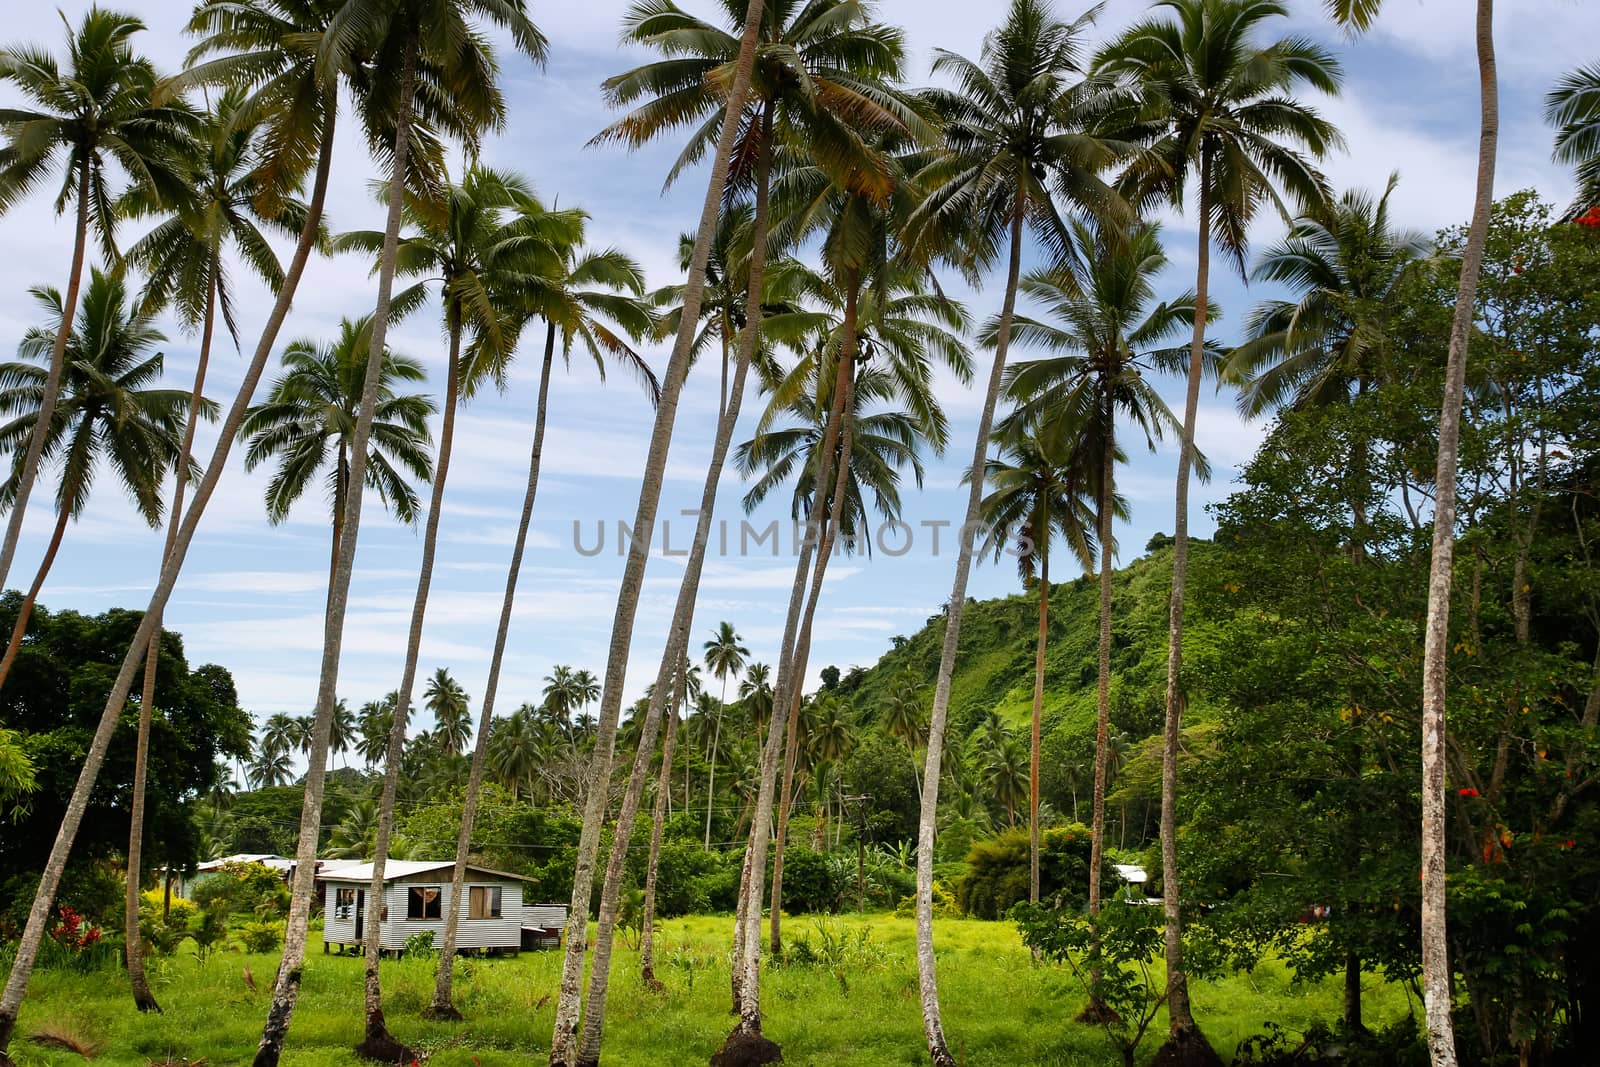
(423, 902)
(483, 902)
(344, 902)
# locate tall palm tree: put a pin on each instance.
(439, 71)
(1436, 973)
(1217, 109)
(1343, 261)
(724, 656)
(96, 109)
(269, 50)
(819, 84)
(1110, 336)
(183, 259)
(109, 412)
(466, 248)
(592, 300)
(1573, 108)
(755, 693)
(560, 694)
(308, 423)
(514, 753)
(342, 732)
(375, 721)
(451, 710)
(1013, 136)
(1042, 489)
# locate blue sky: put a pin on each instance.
(251, 594)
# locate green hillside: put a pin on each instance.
(994, 671)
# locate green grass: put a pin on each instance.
(999, 1009)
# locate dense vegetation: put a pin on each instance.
(1237, 716)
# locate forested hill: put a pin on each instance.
(994, 672)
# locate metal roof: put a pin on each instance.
(362, 872)
(1131, 872)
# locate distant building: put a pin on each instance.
(416, 899)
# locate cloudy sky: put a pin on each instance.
(251, 594)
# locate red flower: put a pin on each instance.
(1569, 844)
(1469, 792)
(1591, 218)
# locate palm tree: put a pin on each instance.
(270, 768)
(108, 413)
(1004, 773)
(1436, 973)
(280, 734)
(1109, 335)
(755, 693)
(560, 694)
(514, 752)
(594, 300)
(1344, 261)
(271, 52)
(342, 734)
(313, 408)
(1013, 131)
(1042, 489)
(1573, 108)
(450, 707)
(375, 721)
(97, 108)
(905, 717)
(440, 73)
(822, 67)
(1215, 107)
(467, 250)
(724, 656)
(183, 258)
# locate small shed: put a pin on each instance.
(184, 884)
(1134, 878)
(416, 898)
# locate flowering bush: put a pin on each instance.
(74, 932)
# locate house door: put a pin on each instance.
(361, 913)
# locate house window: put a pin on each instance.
(422, 902)
(483, 902)
(344, 903)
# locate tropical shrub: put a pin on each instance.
(997, 876)
(261, 935)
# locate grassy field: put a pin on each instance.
(999, 1009)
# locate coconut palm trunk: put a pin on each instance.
(52, 387)
(377, 1043)
(845, 389)
(50, 880)
(647, 927)
(834, 472)
(143, 998)
(565, 1030)
(678, 634)
(1180, 1019)
(443, 1006)
(287, 986)
(932, 1025)
(1105, 508)
(711, 772)
(1038, 713)
(57, 534)
(1435, 948)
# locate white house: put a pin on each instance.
(416, 896)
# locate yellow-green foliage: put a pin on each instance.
(999, 1008)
